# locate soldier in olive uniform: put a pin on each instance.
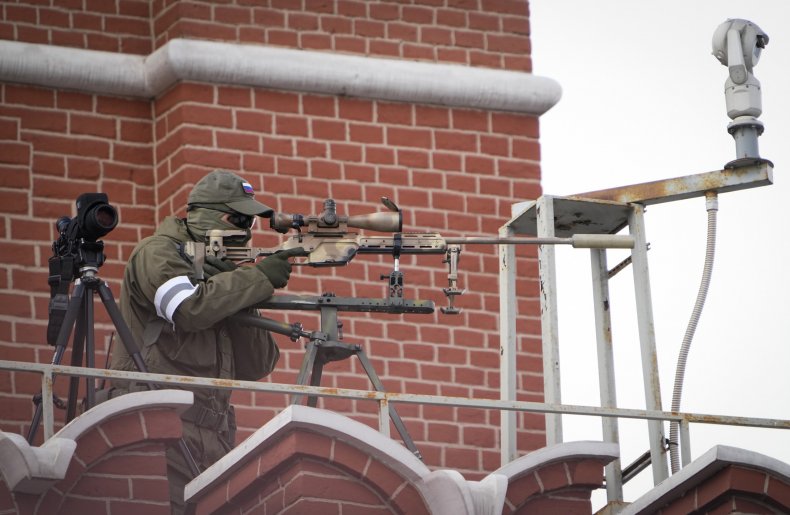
(180, 321)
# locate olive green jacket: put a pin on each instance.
(190, 334)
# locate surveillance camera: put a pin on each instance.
(737, 44)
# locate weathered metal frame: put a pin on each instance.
(597, 212)
(49, 371)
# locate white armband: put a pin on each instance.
(171, 294)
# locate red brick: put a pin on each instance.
(484, 21)
(400, 114)
(291, 125)
(135, 508)
(447, 140)
(80, 505)
(21, 13)
(203, 115)
(14, 177)
(184, 92)
(355, 109)
(551, 505)
(138, 8)
(136, 132)
(86, 21)
(92, 125)
(346, 152)
(102, 487)
(28, 95)
(14, 202)
(404, 137)
(232, 15)
(779, 491)
(9, 129)
(329, 130)
(161, 424)
(210, 158)
(50, 121)
(74, 101)
(236, 141)
(90, 447)
(277, 101)
(14, 153)
(123, 430)
(102, 42)
(384, 479)
(123, 107)
(138, 464)
(84, 147)
(32, 34)
(315, 42)
(254, 121)
(432, 116)
(413, 158)
(418, 15)
(308, 148)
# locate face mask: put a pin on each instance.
(202, 220)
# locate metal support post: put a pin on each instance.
(548, 318)
(685, 443)
(507, 345)
(606, 376)
(48, 406)
(647, 342)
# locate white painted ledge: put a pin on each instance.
(33, 470)
(701, 469)
(328, 73)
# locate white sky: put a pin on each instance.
(643, 100)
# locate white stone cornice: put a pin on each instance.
(275, 67)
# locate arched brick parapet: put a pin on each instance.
(311, 460)
(118, 463)
(556, 479)
(308, 472)
(723, 480)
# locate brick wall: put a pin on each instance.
(452, 170)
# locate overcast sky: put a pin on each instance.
(643, 99)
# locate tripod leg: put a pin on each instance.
(72, 311)
(90, 351)
(307, 365)
(396, 420)
(124, 333)
(315, 377)
(77, 348)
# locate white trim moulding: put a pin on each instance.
(116, 74)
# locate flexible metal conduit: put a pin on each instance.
(712, 206)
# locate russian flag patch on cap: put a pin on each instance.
(247, 188)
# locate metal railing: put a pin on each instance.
(49, 371)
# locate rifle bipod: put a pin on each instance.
(325, 346)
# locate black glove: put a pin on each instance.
(277, 267)
(214, 265)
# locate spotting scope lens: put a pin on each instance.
(95, 216)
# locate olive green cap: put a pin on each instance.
(223, 187)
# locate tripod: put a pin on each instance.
(80, 312)
(325, 346)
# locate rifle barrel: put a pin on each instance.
(579, 241)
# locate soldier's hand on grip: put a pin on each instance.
(277, 267)
(214, 265)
